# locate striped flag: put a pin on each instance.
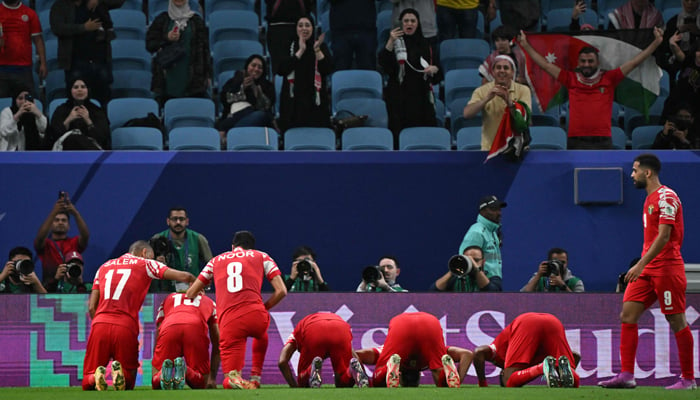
(638, 90)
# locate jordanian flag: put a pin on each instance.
(638, 90)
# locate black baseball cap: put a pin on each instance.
(491, 201)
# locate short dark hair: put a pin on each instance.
(556, 250)
(391, 258)
(649, 161)
(244, 239)
(177, 208)
(503, 32)
(474, 247)
(304, 251)
(588, 50)
(64, 213)
(20, 250)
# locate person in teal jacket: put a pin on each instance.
(486, 233)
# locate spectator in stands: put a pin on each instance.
(407, 59)
(486, 234)
(492, 98)
(635, 14)
(190, 76)
(16, 278)
(20, 27)
(457, 279)
(680, 131)
(687, 88)
(591, 92)
(187, 250)
(22, 125)
(282, 17)
(457, 18)
(687, 25)
(84, 30)
(305, 275)
(554, 275)
(52, 243)
(69, 276)
(577, 11)
(353, 24)
(519, 14)
(304, 100)
(388, 271)
(247, 98)
(503, 42)
(428, 20)
(79, 124)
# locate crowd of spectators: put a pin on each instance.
(306, 42)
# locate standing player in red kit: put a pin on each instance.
(184, 329)
(415, 342)
(120, 286)
(531, 346)
(316, 337)
(659, 274)
(238, 277)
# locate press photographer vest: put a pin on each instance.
(185, 256)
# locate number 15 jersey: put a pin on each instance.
(238, 277)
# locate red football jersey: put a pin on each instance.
(663, 207)
(307, 324)
(238, 277)
(178, 309)
(19, 25)
(123, 284)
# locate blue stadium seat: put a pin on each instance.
(457, 121)
(619, 138)
(547, 5)
(129, 24)
(460, 83)
(547, 118)
(119, 111)
(325, 24)
(463, 53)
(188, 111)
(233, 25)
(131, 83)
(665, 84)
(42, 5)
(309, 139)
(132, 5)
(669, 13)
(211, 6)
(252, 138)
(46, 24)
(55, 85)
(384, 25)
(194, 138)
(558, 19)
(322, 6)
(156, 7)
(355, 83)
(53, 105)
(643, 136)
(634, 118)
(375, 109)
(383, 5)
(440, 112)
(137, 138)
(367, 138)
(496, 22)
(279, 81)
(130, 54)
(547, 138)
(469, 138)
(230, 55)
(5, 102)
(424, 138)
(51, 54)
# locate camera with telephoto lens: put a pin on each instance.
(304, 267)
(24, 267)
(555, 267)
(460, 265)
(161, 246)
(371, 274)
(74, 270)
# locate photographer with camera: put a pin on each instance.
(52, 242)
(69, 276)
(18, 274)
(381, 278)
(305, 275)
(179, 248)
(465, 273)
(679, 131)
(554, 275)
(22, 124)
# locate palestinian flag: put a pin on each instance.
(638, 90)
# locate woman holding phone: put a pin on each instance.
(22, 125)
(80, 117)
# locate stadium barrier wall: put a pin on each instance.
(44, 336)
(351, 207)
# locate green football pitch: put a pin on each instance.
(272, 392)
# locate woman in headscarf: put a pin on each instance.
(408, 61)
(79, 123)
(189, 76)
(304, 100)
(22, 125)
(247, 98)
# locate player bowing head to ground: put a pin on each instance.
(238, 276)
(118, 292)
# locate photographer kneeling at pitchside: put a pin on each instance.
(465, 273)
(69, 276)
(382, 277)
(554, 275)
(305, 275)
